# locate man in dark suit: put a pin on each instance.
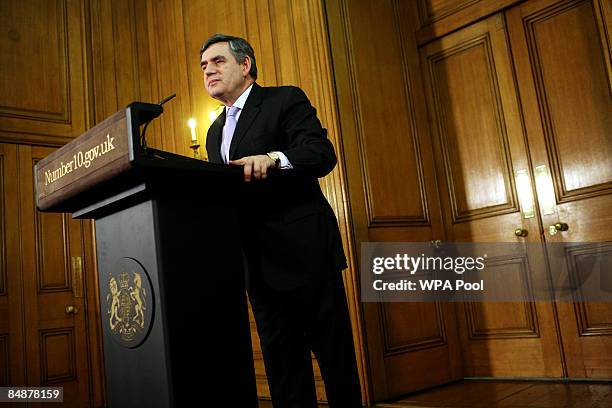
(290, 235)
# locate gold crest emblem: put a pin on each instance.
(126, 305)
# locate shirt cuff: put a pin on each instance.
(284, 161)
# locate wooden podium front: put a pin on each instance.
(173, 303)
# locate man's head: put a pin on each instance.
(228, 65)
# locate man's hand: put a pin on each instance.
(255, 166)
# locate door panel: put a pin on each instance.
(416, 338)
(479, 146)
(479, 138)
(52, 245)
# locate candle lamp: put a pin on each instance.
(195, 146)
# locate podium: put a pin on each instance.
(173, 304)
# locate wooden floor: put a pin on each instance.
(506, 394)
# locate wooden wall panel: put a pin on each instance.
(200, 22)
(391, 182)
(169, 61)
(50, 47)
(394, 189)
(119, 55)
(42, 74)
(284, 37)
(259, 32)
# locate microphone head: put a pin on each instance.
(166, 99)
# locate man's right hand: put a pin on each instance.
(255, 167)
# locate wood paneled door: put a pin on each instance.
(528, 92)
(562, 52)
(480, 147)
(48, 328)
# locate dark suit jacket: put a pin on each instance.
(289, 231)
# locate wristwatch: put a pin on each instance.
(275, 157)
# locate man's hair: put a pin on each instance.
(239, 47)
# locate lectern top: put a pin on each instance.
(109, 151)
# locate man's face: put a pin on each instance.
(225, 78)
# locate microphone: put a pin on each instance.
(166, 99)
(143, 141)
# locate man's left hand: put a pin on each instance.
(255, 166)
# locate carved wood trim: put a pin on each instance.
(511, 204)
(563, 194)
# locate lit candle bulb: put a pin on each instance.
(192, 125)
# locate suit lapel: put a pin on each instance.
(247, 116)
(213, 142)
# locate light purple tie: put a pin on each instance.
(228, 131)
